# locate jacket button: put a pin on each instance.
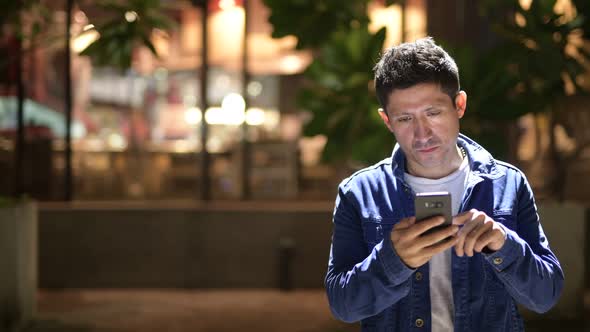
(498, 260)
(418, 276)
(419, 322)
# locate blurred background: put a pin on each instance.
(172, 165)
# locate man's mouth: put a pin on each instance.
(427, 150)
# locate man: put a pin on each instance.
(383, 270)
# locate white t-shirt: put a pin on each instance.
(441, 289)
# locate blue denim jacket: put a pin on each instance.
(367, 281)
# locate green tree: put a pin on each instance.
(125, 26)
(341, 97)
(338, 90)
(535, 69)
(526, 71)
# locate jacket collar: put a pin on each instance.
(481, 161)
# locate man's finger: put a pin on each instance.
(424, 225)
(405, 223)
(490, 237)
(473, 237)
(483, 241)
(463, 218)
(435, 237)
(441, 246)
(477, 218)
(461, 235)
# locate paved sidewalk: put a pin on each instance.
(185, 310)
(168, 310)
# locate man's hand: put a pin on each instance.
(478, 232)
(413, 248)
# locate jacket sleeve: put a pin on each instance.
(360, 282)
(525, 264)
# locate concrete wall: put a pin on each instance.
(18, 265)
(181, 247)
(566, 228)
(233, 246)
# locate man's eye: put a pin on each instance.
(404, 119)
(433, 113)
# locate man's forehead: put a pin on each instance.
(417, 100)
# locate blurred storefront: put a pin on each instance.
(137, 133)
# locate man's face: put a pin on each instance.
(425, 123)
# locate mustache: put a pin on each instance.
(431, 142)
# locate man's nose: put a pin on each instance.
(422, 129)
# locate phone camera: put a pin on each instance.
(433, 205)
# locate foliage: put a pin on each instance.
(38, 17)
(536, 68)
(583, 8)
(525, 73)
(22, 24)
(540, 52)
(129, 24)
(491, 106)
(341, 97)
(314, 21)
(339, 91)
(118, 36)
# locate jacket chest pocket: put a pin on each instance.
(374, 230)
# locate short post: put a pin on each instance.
(286, 251)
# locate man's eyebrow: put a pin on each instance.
(403, 113)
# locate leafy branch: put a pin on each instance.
(338, 88)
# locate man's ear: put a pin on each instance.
(461, 103)
(385, 118)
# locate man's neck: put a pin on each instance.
(437, 172)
